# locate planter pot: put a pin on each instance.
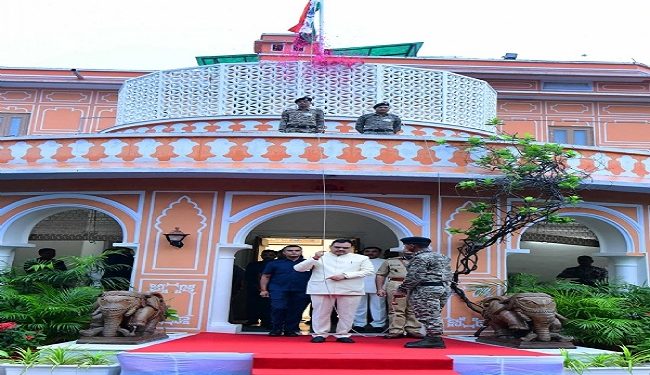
(612, 371)
(12, 369)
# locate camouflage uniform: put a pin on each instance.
(374, 123)
(302, 121)
(427, 301)
(401, 318)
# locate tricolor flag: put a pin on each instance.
(305, 26)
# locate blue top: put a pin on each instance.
(284, 277)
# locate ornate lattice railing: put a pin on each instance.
(267, 88)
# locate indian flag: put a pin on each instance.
(305, 27)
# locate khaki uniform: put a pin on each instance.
(401, 318)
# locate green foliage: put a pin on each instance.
(603, 316)
(528, 182)
(52, 303)
(61, 356)
(14, 336)
(625, 358)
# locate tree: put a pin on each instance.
(528, 182)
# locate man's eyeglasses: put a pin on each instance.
(342, 247)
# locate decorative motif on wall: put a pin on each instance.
(269, 88)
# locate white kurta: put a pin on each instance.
(354, 266)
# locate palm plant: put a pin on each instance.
(55, 303)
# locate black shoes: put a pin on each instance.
(275, 333)
(434, 342)
(291, 334)
(393, 336)
(346, 340)
(359, 329)
(318, 339)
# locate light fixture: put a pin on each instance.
(176, 237)
(510, 56)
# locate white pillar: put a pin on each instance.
(625, 267)
(221, 289)
(6, 257)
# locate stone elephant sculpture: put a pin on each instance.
(127, 314)
(523, 316)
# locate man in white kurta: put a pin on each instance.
(377, 304)
(336, 278)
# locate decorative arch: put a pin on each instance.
(606, 239)
(15, 230)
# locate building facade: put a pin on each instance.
(198, 148)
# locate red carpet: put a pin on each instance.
(295, 355)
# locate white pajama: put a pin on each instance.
(346, 306)
(377, 311)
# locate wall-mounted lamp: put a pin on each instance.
(176, 237)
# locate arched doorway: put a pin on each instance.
(313, 230)
(545, 249)
(71, 232)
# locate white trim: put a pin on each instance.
(330, 197)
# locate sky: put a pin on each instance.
(165, 34)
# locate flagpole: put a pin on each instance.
(321, 28)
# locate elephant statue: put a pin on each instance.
(127, 314)
(523, 316)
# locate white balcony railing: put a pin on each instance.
(267, 88)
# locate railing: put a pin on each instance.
(267, 88)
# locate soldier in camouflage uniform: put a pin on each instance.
(427, 284)
(380, 122)
(303, 119)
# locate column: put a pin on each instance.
(221, 289)
(6, 257)
(625, 267)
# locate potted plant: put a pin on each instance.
(624, 362)
(60, 361)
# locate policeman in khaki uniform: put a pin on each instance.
(401, 319)
(427, 284)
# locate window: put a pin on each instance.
(13, 124)
(298, 48)
(572, 135)
(567, 86)
(277, 47)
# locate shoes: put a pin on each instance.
(393, 336)
(347, 340)
(375, 329)
(415, 335)
(291, 334)
(359, 329)
(434, 342)
(318, 339)
(275, 333)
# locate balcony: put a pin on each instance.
(419, 96)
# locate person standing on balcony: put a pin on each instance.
(380, 122)
(303, 119)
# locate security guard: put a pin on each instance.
(380, 122)
(427, 284)
(401, 319)
(303, 119)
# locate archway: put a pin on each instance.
(73, 232)
(314, 230)
(546, 249)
